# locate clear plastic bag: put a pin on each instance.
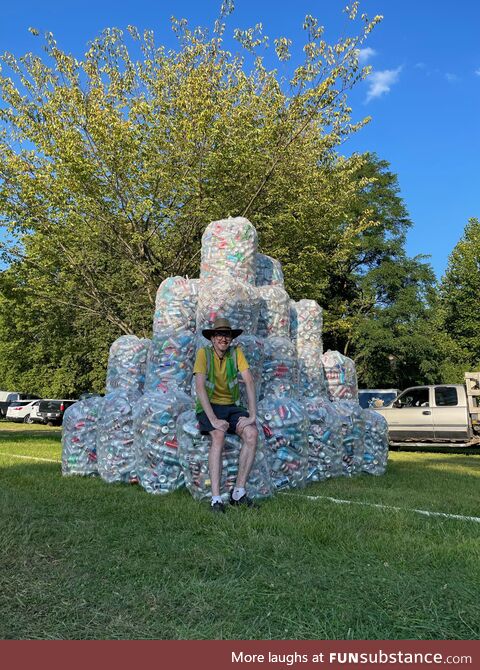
(274, 315)
(341, 376)
(155, 442)
(228, 298)
(127, 362)
(376, 443)
(309, 328)
(229, 248)
(176, 304)
(253, 348)
(269, 271)
(285, 426)
(170, 361)
(353, 436)
(311, 374)
(325, 440)
(280, 368)
(79, 437)
(115, 450)
(193, 454)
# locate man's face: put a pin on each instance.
(222, 341)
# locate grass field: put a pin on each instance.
(83, 559)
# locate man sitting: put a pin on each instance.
(218, 407)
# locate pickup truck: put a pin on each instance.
(442, 413)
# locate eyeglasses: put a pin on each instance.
(224, 336)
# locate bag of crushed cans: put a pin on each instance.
(280, 368)
(375, 455)
(127, 361)
(269, 271)
(79, 437)
(229, 248)
(193, 454)
(325, 439)
(308, 330)
(285, 426)
(170, 360)
(176, 304)
(254, 349)
(274, 315)
(353, 436)
(228, 298)
(341, 376)
(115, 450)
(155, 441)
(311, 375)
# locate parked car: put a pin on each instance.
(51, 411)
(21, 410)
(375, 398)
(9, 397)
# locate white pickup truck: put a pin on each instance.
(443, 413)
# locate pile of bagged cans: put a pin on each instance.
(268, 271)
(127, 362)
(274, 313)
(79, 437)
(170, 360)
(115, 450)
(325, 439)
(341, 376)
(193, 448)
(375, 443)
(229, 249)
(157, 462)
(176, 304)
(311, 427)
(280, 368)
(285, 426)
(353, 436)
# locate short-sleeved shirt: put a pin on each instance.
(221, 394)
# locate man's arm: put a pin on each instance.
(252, 401)
(202, 395)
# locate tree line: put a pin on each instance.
(111, 167)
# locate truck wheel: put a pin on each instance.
(27, 419)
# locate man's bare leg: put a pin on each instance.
(249, 437)
(215, 459)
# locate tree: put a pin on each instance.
(459, 317)
(111, 166)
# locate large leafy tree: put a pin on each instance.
(458, 314)
(112, 165)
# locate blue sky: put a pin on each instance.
(423, 95)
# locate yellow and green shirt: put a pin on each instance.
(221, 394)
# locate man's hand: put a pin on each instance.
(245, 421)
(220, 424)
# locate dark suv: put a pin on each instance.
(51, 411)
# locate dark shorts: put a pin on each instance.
(230, 413)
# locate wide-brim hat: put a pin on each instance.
(224, 325)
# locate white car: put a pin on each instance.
(21, 410)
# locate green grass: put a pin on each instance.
(83, 559)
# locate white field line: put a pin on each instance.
(29, 458)
(425, 512)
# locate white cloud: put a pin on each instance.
(452, 78)
(380, 82)
(364, 55)
(421, 65)
(477, 72)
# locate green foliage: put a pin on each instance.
(112, 165)
(459, 316)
